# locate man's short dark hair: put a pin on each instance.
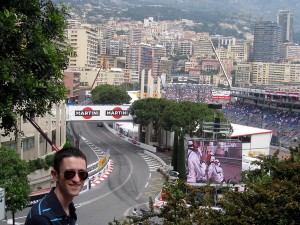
(64, 153)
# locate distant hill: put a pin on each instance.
(262, 9)
(207, 12)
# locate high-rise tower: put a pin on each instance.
(285, 20)
(267, 46)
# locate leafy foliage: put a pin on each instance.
(186, 117)
(31, 59)
(40, 163)
(13, 177)
(49, 160)
(271, 196)
(110, 94)
(148, 110)
(181, 158)
(69, 143)
(175, 151)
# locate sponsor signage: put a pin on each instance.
(98, 113)
(220, 97)
(117, 113)
(87, 112)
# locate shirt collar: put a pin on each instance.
(57, 207)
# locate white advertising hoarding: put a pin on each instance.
(98, 113)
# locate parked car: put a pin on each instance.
(100, 124)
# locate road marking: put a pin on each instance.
(147, 184)
(117, 188)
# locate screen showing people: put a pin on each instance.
(213, 161)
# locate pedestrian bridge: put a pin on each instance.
(98, 113)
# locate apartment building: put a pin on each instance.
(158, 52)
(72, 83)
(110, 32)
(285, 21)
(243, 74)
(205, 79)
(132, 59)
(135, 35)
(274, 73)
(87, 75)
(222, 53)
(191, 64)
(239, 51)
(113, 76)
(84, 40)
(186, 47)
(146, 60)
(103, 49)
(31, 144)
(115, 48)
(291, 52)
(202, 47)
(166, 67)
(210, 65)
(267, 45)
(220, 41)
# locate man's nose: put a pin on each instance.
(76, 178)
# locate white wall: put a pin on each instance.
(260, 145)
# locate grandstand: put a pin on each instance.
(268, 109)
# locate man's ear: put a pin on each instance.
(54, 175)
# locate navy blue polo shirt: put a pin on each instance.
(48, 211)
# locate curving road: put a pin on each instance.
(130, 184)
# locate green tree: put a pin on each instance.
(175, 151)
(149, 110)
(110, 94)
(69, 143)
(31, 59)
(186, 117)
(49, 159)
(181, 158)
(13, 177)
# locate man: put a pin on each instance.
(195, 173)
(215, 172)
(210, 150)
(69, 173)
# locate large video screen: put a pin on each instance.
(213, 161)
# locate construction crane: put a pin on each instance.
(213, 47)
(104, 65)
(98, 73)
(39, 129)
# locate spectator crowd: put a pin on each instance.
(285, 124)
(188, 92)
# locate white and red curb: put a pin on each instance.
(104, 176)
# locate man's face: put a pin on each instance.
(70, 187)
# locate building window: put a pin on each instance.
(27, 144)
